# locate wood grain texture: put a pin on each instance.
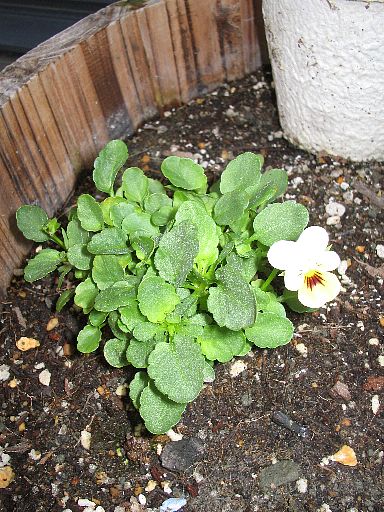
(101, 79)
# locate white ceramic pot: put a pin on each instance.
(328, 67)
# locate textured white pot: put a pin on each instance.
(328, 67)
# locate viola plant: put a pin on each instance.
(174, 278)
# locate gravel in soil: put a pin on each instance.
(269, 424)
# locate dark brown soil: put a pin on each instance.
(233, 416)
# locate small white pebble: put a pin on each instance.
(100, 509)
(121, 390)
(324, 461)
(380, 250)
(85, 439)
(237, 368)
(166, 487)
(142, 499)
(380, 360)
(84, 502)
(5, 458)
(151, 485)
(174, 436)
(333, 220)
(324, 508)
(4, 372)
(45, 377)
(34, 454)
(335, 209)
(373, 341)
(159, 449)
(302, 485)
(302, 349)
(342, 268)
(39, 366)
(375, 404)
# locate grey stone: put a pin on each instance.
(180, 455)
(281, 473)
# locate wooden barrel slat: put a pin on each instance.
(101, 79)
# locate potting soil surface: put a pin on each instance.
(241, 453)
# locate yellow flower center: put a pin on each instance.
(313, 278)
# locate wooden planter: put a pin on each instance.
(102, 78)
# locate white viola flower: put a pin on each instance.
(307, 264)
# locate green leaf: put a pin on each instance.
(232, 302)
(106, 271)
(267, 302)
(209, 373)
(85, 294)
(138, 352)
(176, 253)
(89, 213)
(184, 173)
(177, 369)
(136, 387)
(221, 344)
(145, 331)
(158, 412)
(143, 245)
(119, 211)
(206, 232)
(130, 314)
(115, 352)
(245, 267)
(107, 165)
(154, 202)
(162, 216)
(97, 318)
(155, 186)
(135, 185)
(64, 298)
(109, 241)
(116, 296)
(275, 179)
(280, 221)
(139, 222)
(31, 220)
(230, 208)
(241, 173)
(106, 207)
(114, 322)
(76, 234)
(292, 301)
(270, 331)
(88, 339)
(45, 262)
(156, 298)
(79, 257)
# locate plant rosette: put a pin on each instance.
(178, 277)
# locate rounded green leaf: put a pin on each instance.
(154, 202)
(76, 234)
(30, 220)
(144, 331)
(85, 294)
(135, 185)
(89, 213)
(267, 301)
(184, 173)
(162, 216)
(176, 253)
(106, 207)
(116, 296)
(45, 262)
(109, 241)
(119, 211)
(106, 271)
(136, 387)
(130, 314)
(158, 412)
(138, 352)
(241, 173)
(156, 298)
(230, 208)
(220, 343)
(79, 257)
(88, 339)
(139, 222)
(115, 352)
(280, 221)
(178, 369)
(107, 165)
(97, 318)
(270, 331)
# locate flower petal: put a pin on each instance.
(328, 260)
(314, 238)
(293, 279)
(282, 254)
(320, 293)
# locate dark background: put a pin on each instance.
(24, 24)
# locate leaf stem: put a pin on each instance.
(58, 241)
(269, 279)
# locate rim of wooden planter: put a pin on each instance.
(100, 79)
